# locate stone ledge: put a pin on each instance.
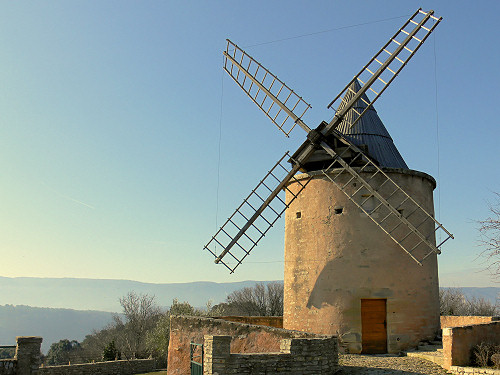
(435, 356)
(473, 370)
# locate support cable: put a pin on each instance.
(219, 150)
(437, 138)
(325, 31)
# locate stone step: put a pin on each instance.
(436, 357)
(429, 348)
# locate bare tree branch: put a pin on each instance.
(489, 231)
(260, 300)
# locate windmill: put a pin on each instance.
(373, 181)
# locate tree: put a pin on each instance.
(452, 301)
(141, 314)
(63, 352)
(128, 330)
(94, 343)
(489, 230)
(158, 338)
(110, 353)
(260, 300)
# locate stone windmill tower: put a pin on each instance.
(357, 220)
(343, 275)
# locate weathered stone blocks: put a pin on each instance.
(296, 356)
(247, 338)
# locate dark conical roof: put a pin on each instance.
(369, 131)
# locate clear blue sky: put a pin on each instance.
(110, 115)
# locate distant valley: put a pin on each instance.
(73, 308)
(51, 324)
(103, 295)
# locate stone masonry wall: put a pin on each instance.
(335, 256)
(296, 356)
(123, 367)
(26, 359)
(269, 321)
(247, 338)
(8, 366)
(27, 362)
(456, 321)
(459, 341)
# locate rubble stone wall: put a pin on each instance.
(296, 356)
(27, 362)
(247, 338)
(459, 341)
(8, 366)
(122, 367)
(269, 321)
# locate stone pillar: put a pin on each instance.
(447, 347)
(217, 352)
(28, 354)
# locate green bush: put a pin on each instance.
(110, 353)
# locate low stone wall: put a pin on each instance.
(247, 338)
(8, 366)
(473, 371)
(26, 359)
(269, 321)
(456, 321)
(123, 367)
(28, 354)
(297, 356)
(459, 341)
(27, 362)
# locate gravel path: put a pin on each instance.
(381, 364)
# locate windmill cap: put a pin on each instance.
(369, 131)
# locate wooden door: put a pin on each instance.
(374, 326)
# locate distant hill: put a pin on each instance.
(51, 324)
(103, 295)
(491, 294)
(60, 303)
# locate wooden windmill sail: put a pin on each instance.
(393, 210)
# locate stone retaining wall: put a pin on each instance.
(459, 341)
(456, 321)
(473, 371)
(247, 338)
(296, 356)
(123, 367)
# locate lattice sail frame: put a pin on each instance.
(265, 89)
(248, 239)
(387, 208)
(386, 64)
(384, 201)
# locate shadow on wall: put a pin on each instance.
(324, 291)
(336, 287)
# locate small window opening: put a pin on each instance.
(338, 211)
(298, 214)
